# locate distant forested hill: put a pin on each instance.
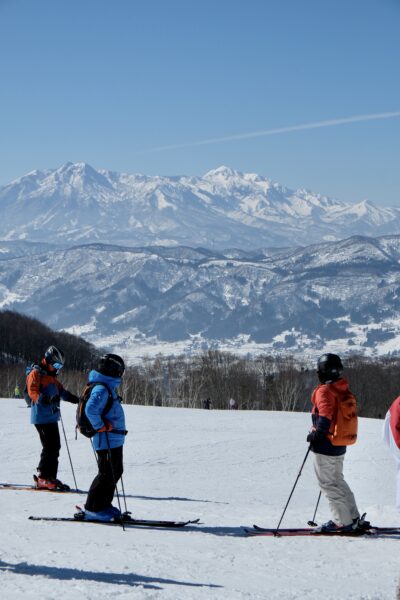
(24, 339)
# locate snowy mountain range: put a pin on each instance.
(344, 295)
(224, 208)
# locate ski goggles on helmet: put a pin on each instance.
(57, 366)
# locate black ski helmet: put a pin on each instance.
(54, 357)
(329, 367)
(111, 365)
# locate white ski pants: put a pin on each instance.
(329, 472)
(395, 451)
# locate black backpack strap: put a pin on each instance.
(108, 406)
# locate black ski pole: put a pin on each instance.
(293, 488)
(94, 451)
(114, 480)
(313, 523)
(69, 455)
(124, 496)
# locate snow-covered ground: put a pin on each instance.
(228, 468)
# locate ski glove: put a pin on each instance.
(49, 400)
(315, 436)
(106, 427)
(68, 397)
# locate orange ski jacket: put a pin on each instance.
(334, 413)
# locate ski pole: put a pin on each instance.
(124, 495)
(94, 452)
(293, 488)
(69, 455)
(313, 523)
(114, 480)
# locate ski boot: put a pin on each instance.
(361, 524)
(332, 527)
(41, 483)
(60, 486)
(106, 515)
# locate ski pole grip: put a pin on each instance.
(119, 431)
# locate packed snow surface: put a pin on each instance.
(230, 468)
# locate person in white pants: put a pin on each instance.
(329, 444)
(329, 472)
(391, 436)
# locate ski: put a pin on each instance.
(293, 532)
(127, 522)
(33, 488)
(306, 529)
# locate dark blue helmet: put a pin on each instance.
(329, 367)
(111, 365)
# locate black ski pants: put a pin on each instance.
(101, 492)
(50, 438)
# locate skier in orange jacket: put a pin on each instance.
(45, 392)
(334, 420)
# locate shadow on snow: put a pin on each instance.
(174, 498)
(224, 531)
(20, 487)
(64, 574)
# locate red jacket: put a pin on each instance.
(395, 421)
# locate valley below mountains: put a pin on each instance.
(342, 296)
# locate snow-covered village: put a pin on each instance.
(200, 300)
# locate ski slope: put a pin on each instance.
(230, 468)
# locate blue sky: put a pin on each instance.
(113, 83)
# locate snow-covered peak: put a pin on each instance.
(79, 175)
(224, 208)
(222, 172)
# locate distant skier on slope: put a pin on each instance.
(109, 439)
(207, 404)
(232, 404)
(391, 436)
(45, 391)
(334, 419)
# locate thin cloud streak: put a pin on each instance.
(278, 130)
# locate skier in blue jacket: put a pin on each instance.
(109, 439)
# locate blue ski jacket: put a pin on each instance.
(95, 406)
